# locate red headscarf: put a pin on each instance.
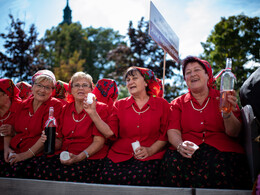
(150, 79)
(60, 89)
(25, 89)
(70, 97)
(161, 87)
(205, 65)
(10, 89)
(106, 91)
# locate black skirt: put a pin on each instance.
(86, 171)
(208, 168)
(131, 172)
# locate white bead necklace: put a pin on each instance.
(201, 108)
(2, 120)
(77, 121)
(142, 111)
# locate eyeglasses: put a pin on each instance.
(40, 86)
(84, 86)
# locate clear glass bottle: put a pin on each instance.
(50, 132)
(226, 86)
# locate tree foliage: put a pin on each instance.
(65, 71)
(237, 37)
(144, 52)
(90, 44)
(22, 56)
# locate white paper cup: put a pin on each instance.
(65, 155)
(135, 145)
(90, 98)
(195, 147)
(11, 154)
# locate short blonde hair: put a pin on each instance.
(82, 75)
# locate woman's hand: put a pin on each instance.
(89, 108)
(15, 158)
(7, 152)
(186, 150)
(142, 152)
(6, 130)
(73, 159)
(43, 137)
(232, 99)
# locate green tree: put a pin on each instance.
(237, 37)
(22, 56)
(91, 44)
(65, 71)
(144, 52)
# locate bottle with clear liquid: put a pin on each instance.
(50, 132)
(226, 86)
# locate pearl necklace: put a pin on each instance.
(142, 111)
(201, 108)
(2, 120)
(77, 121)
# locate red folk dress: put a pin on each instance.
(8, 118)
(129, 126)
(205, 126)
(77, 136)
(29, 125)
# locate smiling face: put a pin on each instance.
(135, 83)
(196, 77)
(42, 90)
(80, 88)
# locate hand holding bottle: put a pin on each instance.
(226, 89)
(50, 132)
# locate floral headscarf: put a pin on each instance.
(60, 89)
(47, 73)
(150, 79)
(10, 89)
(25, 89)
(205, 65)
(106, 91)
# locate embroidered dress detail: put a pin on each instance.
(201, 108)
(142, 111)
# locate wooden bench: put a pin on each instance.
(17, 186)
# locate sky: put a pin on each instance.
(191, 20)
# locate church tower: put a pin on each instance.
(67, 14)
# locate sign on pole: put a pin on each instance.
(162, 34)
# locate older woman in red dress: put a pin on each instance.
(141, 117)
(219, 162)
(9, 100)
(80, 137)
(28, 124)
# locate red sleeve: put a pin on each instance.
(164, 121)
(113, 120)
(175, 115)
(102, 110)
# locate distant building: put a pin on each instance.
(67, 14)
